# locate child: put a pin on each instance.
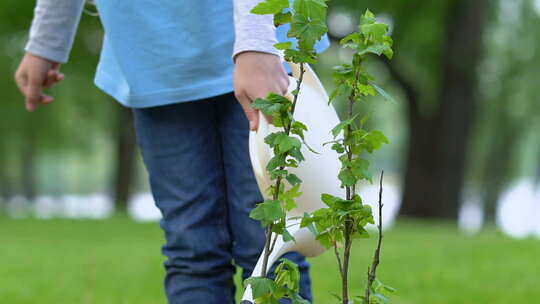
(170, 61)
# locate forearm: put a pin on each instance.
(253, 32)
(53, 28)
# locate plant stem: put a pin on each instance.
(346, 259)
(266, 250)
(269, 244)
(372, 271)
(350, 192)
(338, 258)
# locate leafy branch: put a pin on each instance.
(308, 24)
(345, 218)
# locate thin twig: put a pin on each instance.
(372, 271)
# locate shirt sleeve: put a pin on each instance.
(53, 28)
(253, 32)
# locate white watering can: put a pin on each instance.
(318, 171)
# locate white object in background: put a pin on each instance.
(95, 206)
(143, 208)
(18, 207)
(46, 207)
(471, 215)
(516, 212)
(318, 172)
(536, 218)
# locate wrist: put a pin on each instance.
(252, 54)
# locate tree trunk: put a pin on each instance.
(438, 144)
(125, 170)
(498, 167)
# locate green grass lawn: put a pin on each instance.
(118, 261)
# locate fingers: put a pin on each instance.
(53, 77)
(21, 81)
(33, 93)
(34, 90)
(251, 114)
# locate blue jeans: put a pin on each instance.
(202, 181)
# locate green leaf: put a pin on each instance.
(297, 154)
(270, 7)
(268, 107)
(376, 31)
(293, 179)
(287, 274)
(307, 30)
(374, 141)
(276, 98)
(376, 48)
(276, 162)
(307, 221)
(366, 90)
(360, 169)
(271, 138)
(298, 128)
(360, 233)
(267, 212)
(325, 239)
(342, 89)
(353, 38)
(301, 56)
(285, 143)
(261, 286)
(342, 125)
(330, 200)
(338, 147)
(347, 178)
(384, 94)
(282, 18)
(283, 45)
(388, 52)
(289, 197)
(313, 9)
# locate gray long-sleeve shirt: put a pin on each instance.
(55, 24)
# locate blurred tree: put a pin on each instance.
(124, 173)
(511, 106)
(438, 143)
(438, 49)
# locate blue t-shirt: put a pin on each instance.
(162, 52)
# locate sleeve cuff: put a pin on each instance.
(36, 48)
(256, 45)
